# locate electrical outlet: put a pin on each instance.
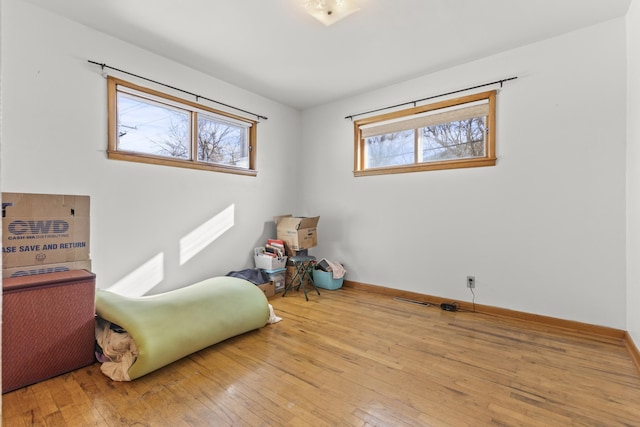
(471, 282)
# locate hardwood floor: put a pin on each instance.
(354, 358)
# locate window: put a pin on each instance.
(457, 133)
(151, 127)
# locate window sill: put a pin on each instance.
(452, 164)
(154, 160)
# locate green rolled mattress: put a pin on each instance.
(169, 326)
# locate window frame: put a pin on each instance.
(193, 108)
(489, 159)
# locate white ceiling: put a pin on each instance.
(272, 48)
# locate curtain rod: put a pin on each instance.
(198, 97)
(501, 81)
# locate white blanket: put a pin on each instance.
(337, 268)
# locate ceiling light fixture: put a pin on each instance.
(330, 11)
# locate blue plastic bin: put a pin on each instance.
(325, 280)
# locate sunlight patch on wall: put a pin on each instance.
(194, 242)
(142, 279)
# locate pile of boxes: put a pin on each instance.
(44, 233)
(295, 235)
(298, 234)
(272, 259)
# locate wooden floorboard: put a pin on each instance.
(355, 358)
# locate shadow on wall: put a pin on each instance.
(151, 273)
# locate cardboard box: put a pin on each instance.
(298, 233)
(30, 270)
(278, 278)
(268, 288)
(39, 229)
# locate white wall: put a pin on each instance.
(543, 231)
(633, 172)
(54, 140)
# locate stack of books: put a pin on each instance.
(275, 248)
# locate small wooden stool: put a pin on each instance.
(304, 269)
